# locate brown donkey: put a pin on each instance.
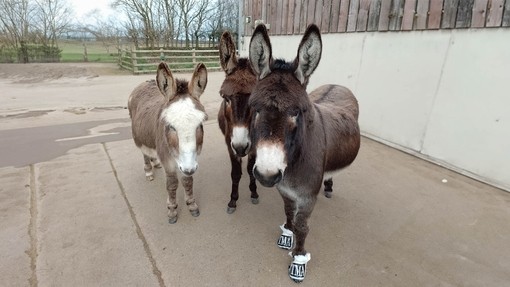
(299, 138)
(166, 121)
(234, 115)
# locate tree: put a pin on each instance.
(26, 24)
(201, 14)
(164, 22)
(224, 18)
(15, 25)
(109, 32)
(140, 10)
(167, 21)
(52, 20)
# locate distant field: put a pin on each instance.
(73, 51)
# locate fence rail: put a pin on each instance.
(286, 17)
(146, 61)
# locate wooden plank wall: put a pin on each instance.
(287, 17)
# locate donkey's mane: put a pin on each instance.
(241, 82)
(243, 63)
(182, 85)
(282, 65)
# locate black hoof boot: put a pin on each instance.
(297, 269)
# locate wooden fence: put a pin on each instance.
(147, 61)
(286, 17)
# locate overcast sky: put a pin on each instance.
(81, 8)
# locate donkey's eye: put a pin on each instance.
(171, 128)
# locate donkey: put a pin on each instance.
(166, 121)
(234, 116)
(299, 138)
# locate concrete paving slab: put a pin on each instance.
(214, 249)
(15, 250)
(85, 234)
(391, 222)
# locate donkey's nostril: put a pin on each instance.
(188, 171)
(241, 150)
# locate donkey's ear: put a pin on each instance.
(228, 57)
(165, 81)
(309, 54)
(198, 82)
(260, 52)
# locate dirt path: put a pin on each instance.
(39, 72)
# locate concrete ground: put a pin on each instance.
(76, 210)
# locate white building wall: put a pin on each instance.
(443, 95)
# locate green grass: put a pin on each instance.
(73, 50)
(95, 57)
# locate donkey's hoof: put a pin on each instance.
(297, 272)
(328, 194)
(286, 240)
(195, 213)
(297, 268)
(172, 220)
(230, 210)
(255, 200)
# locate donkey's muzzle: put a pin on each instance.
(268, 180)
(241, 150)
(188, 171)
(187, 163)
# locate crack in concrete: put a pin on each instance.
(32, 228)
(141, 236)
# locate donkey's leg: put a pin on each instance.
(235, 174)
(172, 182)
(286, 239)
(156, 163)
(149, 175)
(304, 210)
(297, 268)
(253, 184)
(187, 183)
(328, 187)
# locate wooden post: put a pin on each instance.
(161, 55)
(193, 57)
(85, 55)
(133, 59)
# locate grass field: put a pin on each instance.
(73, 51)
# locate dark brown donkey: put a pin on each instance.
(299, 138)
(234, 115)
(166, 121)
